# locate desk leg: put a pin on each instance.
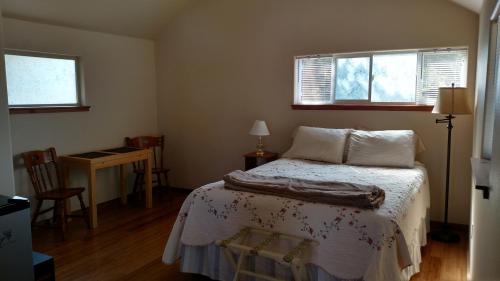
(65, 172)
(123, 183)
(149, 181)
(92, 197)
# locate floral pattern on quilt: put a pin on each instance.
(212, 212)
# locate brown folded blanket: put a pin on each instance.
(337, 193)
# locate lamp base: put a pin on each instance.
(260, 148)
(445, 235)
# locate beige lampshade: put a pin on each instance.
(452, 101)
(259, 128)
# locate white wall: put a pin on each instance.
(484, 256)
(6, 170)
(222, 64)
(120, 87)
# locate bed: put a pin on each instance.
(354, 244)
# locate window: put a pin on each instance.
(352, 78)
(391, 77)
(41, 80)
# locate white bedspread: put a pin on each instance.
(354, 243)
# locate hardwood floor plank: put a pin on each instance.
(444, 262)
(129, 243)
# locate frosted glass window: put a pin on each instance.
(394, 77)
(37, 80)
(352, 78)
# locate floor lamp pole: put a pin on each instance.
(448, 155)
(445, 234)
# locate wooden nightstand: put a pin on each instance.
(252, 160)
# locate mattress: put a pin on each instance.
(354, 244)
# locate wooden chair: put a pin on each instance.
(46, 177)
(157, 145)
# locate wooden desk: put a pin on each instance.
(91, 161)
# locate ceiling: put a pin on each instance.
(137, 18)
(474, 5)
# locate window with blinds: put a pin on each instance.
(314, 77)
(398, 77)
(441, 69)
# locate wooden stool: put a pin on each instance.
(239, 244)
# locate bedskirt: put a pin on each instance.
(210, 261)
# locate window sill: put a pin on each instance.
(372, 107)
(47, 109)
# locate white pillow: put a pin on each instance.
(419, 143)
(318, 144)
(391, 148)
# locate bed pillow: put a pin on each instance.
(419, 143)
(318, 144)
(391, 148)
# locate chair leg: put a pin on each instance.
(62, 212)
(85, 214)
(37, 211)
(158, 178)
(136, 183)
(165, 173)
(167, 185)
(54, 212)
(140, 183)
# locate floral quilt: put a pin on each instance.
(353, 243)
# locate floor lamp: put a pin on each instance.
(450, 102)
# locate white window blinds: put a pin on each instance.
(314, 80)
(440, 69)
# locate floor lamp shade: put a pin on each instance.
(452, 101)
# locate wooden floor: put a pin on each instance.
(129, 242)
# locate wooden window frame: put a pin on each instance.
(47, 109)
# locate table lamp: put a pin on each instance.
(259, 129)
(451, 101)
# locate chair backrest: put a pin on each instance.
(155, 143)
(43, 169)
